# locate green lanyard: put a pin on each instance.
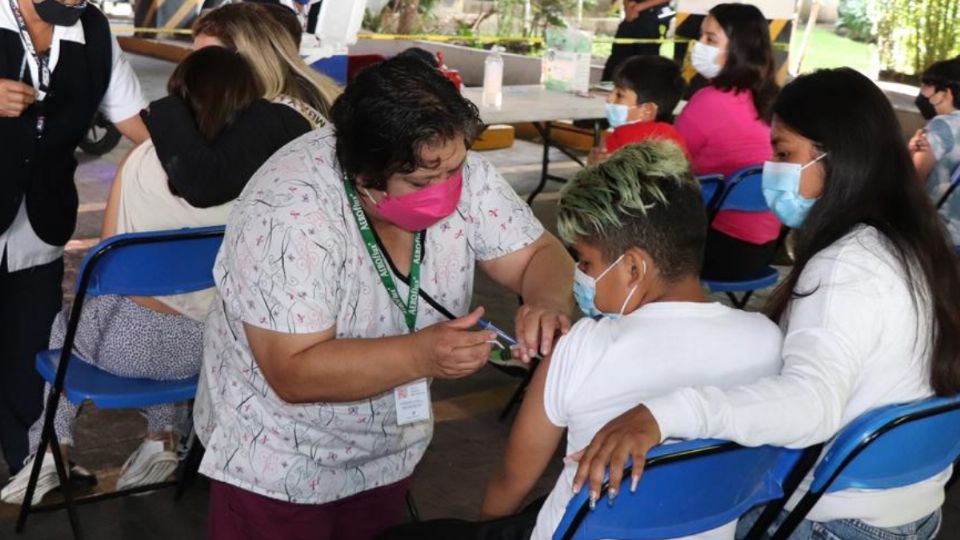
(409, 308)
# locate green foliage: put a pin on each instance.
(426, 7)
(372, 21)
(543, 13)
(857, 20)
(913, 34)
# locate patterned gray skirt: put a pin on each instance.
(128, 340)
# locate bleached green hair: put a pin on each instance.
(643, 196)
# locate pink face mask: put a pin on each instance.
(419, 210)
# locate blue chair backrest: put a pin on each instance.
(892, 446)
(711, 186)
(687, 488)
(744, 191)
(152, 263)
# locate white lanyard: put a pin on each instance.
(43, 67)
(43, 62)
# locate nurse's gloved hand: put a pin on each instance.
(451, 350)
(538, 328)
(15, 97)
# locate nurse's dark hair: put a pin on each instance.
(749, 65)
(217, 84)
(945, 75)
(870, 180)
(390, 112)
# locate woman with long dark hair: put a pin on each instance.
(727, 127)
(869, 310)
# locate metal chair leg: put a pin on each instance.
(47, 436)
(412, 508)
(190, 467)
(65, 487)
(772, 510)
(741, 302)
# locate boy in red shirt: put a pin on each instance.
(640, 107)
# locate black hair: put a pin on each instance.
(422, 55)
(391, 111)
(870, 180)
(654, 79)
(749, 64)
(217, 84)
(945, 75)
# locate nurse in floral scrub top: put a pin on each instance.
(340, 257)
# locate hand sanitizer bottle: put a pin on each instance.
(493, 79)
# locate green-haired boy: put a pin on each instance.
(638, 225)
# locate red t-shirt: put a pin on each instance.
(641, 131)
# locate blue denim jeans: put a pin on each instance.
(846, 529)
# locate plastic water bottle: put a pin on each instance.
(493, 79)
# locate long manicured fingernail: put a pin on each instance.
(593, 499)
(633, 484)
(611, 495)
(576, 489)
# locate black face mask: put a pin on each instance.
(58, 14)
(922, 102)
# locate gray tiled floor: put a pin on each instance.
(449, 481)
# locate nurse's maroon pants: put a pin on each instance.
(237, 514)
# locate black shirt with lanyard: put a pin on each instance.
(412, 399)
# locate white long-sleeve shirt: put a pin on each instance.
(853, 343)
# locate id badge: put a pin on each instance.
(413, 402)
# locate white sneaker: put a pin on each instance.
(149, 464)
(15, 490)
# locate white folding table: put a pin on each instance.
(539, 106)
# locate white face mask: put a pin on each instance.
(704, 59)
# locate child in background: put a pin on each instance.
(646, 91)
(936, 148)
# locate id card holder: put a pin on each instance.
(413, 402)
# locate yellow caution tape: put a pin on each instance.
(138, 30)
(444, 39)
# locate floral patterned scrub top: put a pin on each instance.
(293, 261)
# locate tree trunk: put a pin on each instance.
(409, 17)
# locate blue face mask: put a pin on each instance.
(617, 114)
(585, 292)
(781, 190)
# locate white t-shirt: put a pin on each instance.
(293, 261)
(146, 204)
(854, 343)
(603, 368)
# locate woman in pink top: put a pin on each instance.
(727, 127)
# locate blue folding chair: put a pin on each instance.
(139, 264)
(885, 448)
(712, 188)
(688, 488)
(744, 194)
